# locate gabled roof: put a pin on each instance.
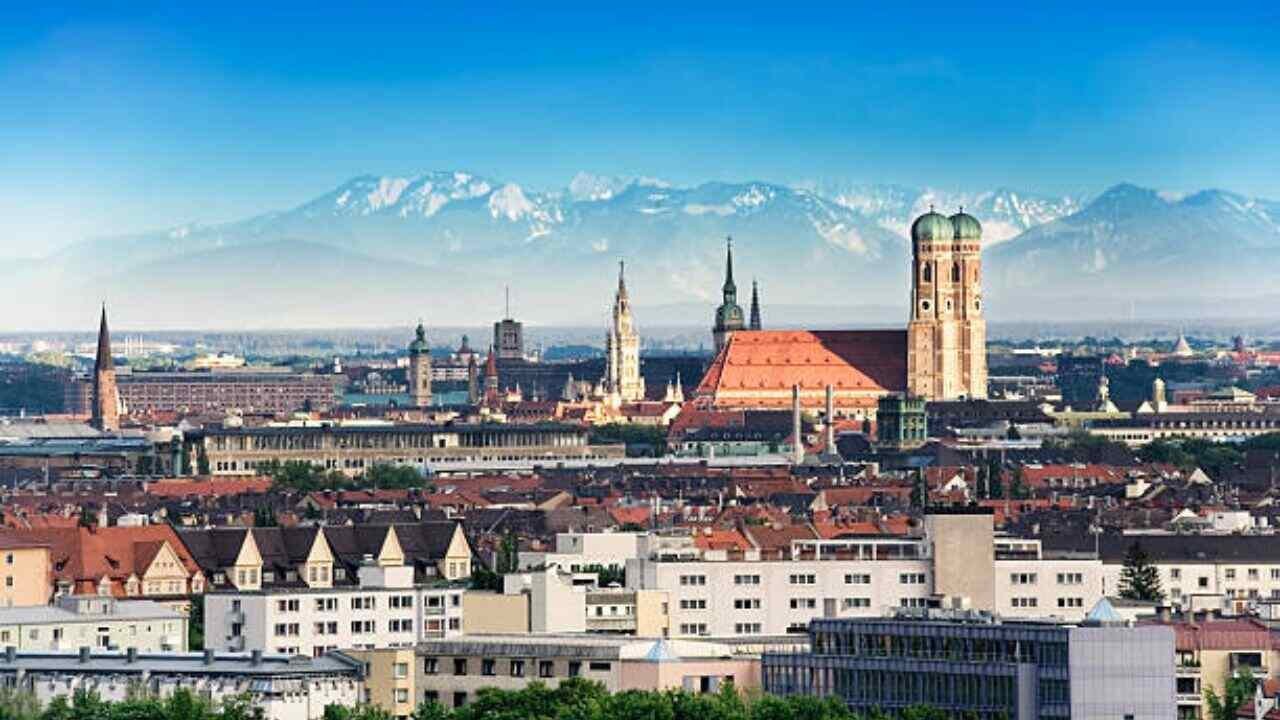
(771, 362)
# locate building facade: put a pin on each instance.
(352, 449)
(972, 665)
(249, 390)
(281, 687)
(946, 344)
(94, 621)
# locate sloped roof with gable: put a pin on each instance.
(757, 369)
(82, 556)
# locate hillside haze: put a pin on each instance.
(379, 251)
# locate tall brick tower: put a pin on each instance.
(106, 398)
(947, 335)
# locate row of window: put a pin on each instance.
(515, 667)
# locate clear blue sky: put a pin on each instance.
(119, 117)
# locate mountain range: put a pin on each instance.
(442, 245)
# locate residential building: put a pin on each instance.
(313, 590)
(576, 551)
(451, 671)
(96, 621)
(973, 665)
(282, 687)
(1210, 650)
(25, 571)
(271, 391)
(390, 679)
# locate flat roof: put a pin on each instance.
(219, 663)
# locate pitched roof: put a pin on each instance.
(82, 556)
(759, 368)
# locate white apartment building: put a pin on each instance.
(716, 596)
(282, 687)
(384, 609)
(577, 551)
(94, 621)
(1031, 583)
(1221, 571)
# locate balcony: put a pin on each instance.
(1187, 670)
(235, 617)
(1188, 699)
(433, 610)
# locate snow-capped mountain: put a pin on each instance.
(1005, 213)
(447, 242)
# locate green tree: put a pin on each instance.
(195, 623)
(265, 516)
(1139, 578)
(1238, 691)
(392, 477)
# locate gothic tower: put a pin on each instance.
(755, 306)
(947, 335)
(106, 398)
(729, 314)
(622, 379)
(420, 369)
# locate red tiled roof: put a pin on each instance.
(759, 368)
(637, 515)
(208, 488)
(712, 539)
(1235, 634)
(83, 556)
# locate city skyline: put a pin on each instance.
(125, 120)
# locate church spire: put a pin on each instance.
(755, 305)
(106, 398)
(730, 290)
(103, 360)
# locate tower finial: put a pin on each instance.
(507, 302)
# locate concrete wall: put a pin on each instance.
(688, 674)
(491, 612)
(25, 577)
(391, 680)
(963, 556)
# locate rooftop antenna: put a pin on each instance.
(507, 291)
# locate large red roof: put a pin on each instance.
(758, 368)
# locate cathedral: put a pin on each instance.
(941, 355)
(622, 382)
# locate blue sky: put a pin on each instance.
(117, 117)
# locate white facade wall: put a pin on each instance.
(1236, 581)
(312, 622)
(723, 598)
(1042, 588)
(579, 550)
(287, 700)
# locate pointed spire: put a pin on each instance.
(622, 278)
(729, 288)
(103, 360)
(755, 305)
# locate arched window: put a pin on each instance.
(955, 272)
(926, 275)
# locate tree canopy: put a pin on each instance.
(1139, 578)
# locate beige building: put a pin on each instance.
(450, 672)
(25, 571)
(622, 382)
(390, 679)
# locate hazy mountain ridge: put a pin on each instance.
(447, 241)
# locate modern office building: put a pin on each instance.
(973, 665)
(250, 390)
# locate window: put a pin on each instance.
(1070, 602)
(1024, 602)
(686, 604)
(364, 603)
(746, 579)
(746, 628)
(402, 695)
(459, 666)
(803, 579)
(400, 625)
(926, 273)
(696, 580)
(401, 670)
(693, 628)
(857, 579)
(287, 606)
(546, 669)
(1176, 574)
(1203, 581)
(430, 666)
(1070, 578)
(912, 579)
(488, 666)
(600, 666)
(398, 602)
(1230, 574)
(517, 668)
(955, 272)
(326, 604)
(746, 604)
(857, 602)
(1022, 579)
(459, 699)
(803, 603)
(1253, 573)
(575, 668)
(363, 627)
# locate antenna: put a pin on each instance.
(507, 291)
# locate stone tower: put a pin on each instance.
(420, 369)
(729, 317)
(622, 381)
(947, 335)
(106, 398)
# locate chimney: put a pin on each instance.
(831, 419)
(797, 451)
